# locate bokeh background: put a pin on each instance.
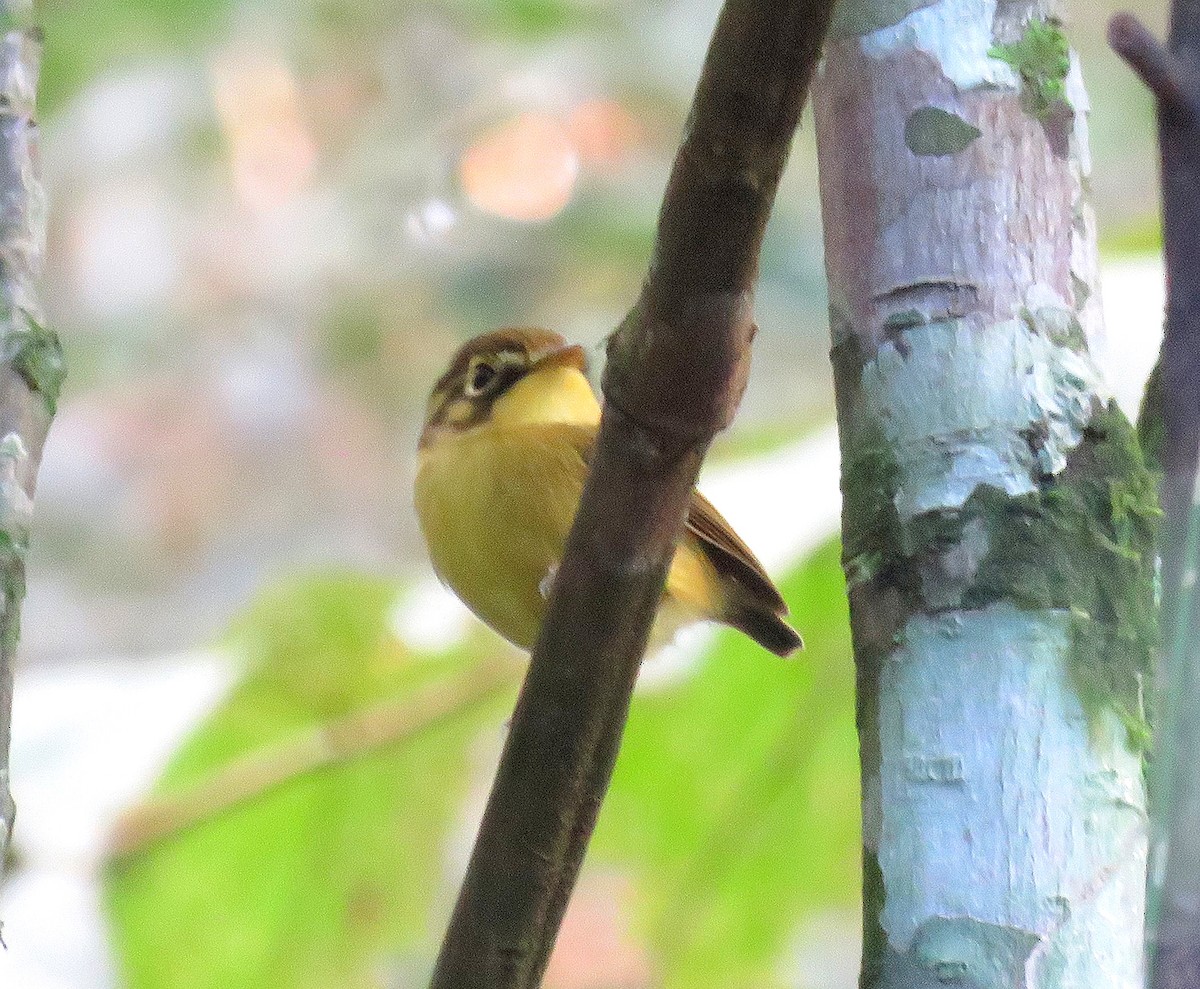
(270, 225)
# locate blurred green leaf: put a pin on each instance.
(323, 881)
(736, 796)
(760, 438)
(84, 39)
(599, 229)
(537, 19)
(734, 808)
(1134, 237)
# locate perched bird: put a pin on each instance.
(503, 457)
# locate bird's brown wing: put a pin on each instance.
(730, 556)
(750, 602)
(732, 559)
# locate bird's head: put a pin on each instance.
(508, 377)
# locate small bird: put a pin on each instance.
(509, 431)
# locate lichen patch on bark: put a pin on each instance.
(932, 131)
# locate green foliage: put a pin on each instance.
(734, 807)
(1142, 236)
(736, 797)
(932, 131)
(474, 294)
(600, 230)
(538, 19)
(15, 17)
(324, 881)
(1042, 56)
(765, 437)
(84, 40)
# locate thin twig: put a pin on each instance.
(1164, 75)
(676, 370)
(31, 361)
(1172, 73)
(264, 770)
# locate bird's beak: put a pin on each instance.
(570, 356)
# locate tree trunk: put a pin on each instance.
(998, 516)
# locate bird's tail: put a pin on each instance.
(764, 626)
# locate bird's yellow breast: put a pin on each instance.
(496, 505)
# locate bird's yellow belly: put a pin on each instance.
(496, 506)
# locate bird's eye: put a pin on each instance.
(480, 378)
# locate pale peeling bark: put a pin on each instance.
(31, 362)
(998, 515)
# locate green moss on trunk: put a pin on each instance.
(1083, 542)
(1042, 57)
(12, 587)
(36, 355)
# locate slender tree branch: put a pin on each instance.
(333, 743)
(31, 362)
(1174, 902)
(1164, 75)
(676, 370)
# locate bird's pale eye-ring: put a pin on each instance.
(480, 378)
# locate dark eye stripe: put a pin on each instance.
(493, 376)
(508, 375)
(482, 376)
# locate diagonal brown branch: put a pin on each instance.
(263, 770)
(676, 370)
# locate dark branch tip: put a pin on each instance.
(1175, 88)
